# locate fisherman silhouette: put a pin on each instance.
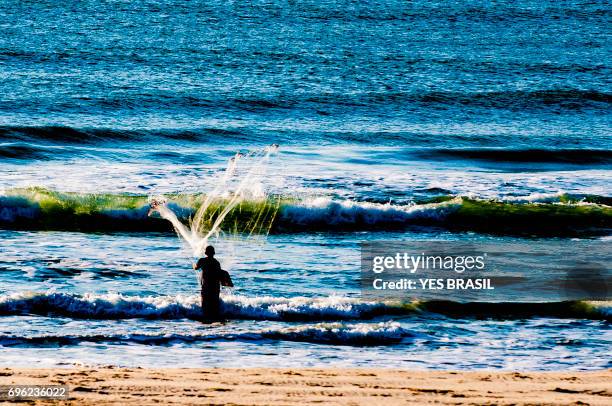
(212, 279)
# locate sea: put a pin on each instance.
(350, 122)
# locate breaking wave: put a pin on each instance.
(359, 334)
(117, 306)
(565, 215)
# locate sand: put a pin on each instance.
(258, 386)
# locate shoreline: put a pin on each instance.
(330, 386)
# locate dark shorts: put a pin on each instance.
(211, 307)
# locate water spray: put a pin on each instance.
(240, 182)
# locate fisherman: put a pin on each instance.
(212, 279)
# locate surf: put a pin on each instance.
(115, 306)
(237, 210)
(355, 334)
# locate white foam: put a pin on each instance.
(267, 307)
(331, 333)
(535, 198)
(340, 333)
(347, 212)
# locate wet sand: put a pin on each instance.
(265, 386)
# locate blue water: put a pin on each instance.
(376, 107)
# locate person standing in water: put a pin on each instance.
(212, 278)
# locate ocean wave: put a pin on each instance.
(117, 306)
(62, 134)
(19, 151)
(358, 334)
(561, 214)
(561, 98)
(343, 334)
(561, 198)
(33, 142)
(324, 213)
(555, 99)
(596, 310)
(72, 135)
(563, 156)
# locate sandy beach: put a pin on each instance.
(259, 386)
